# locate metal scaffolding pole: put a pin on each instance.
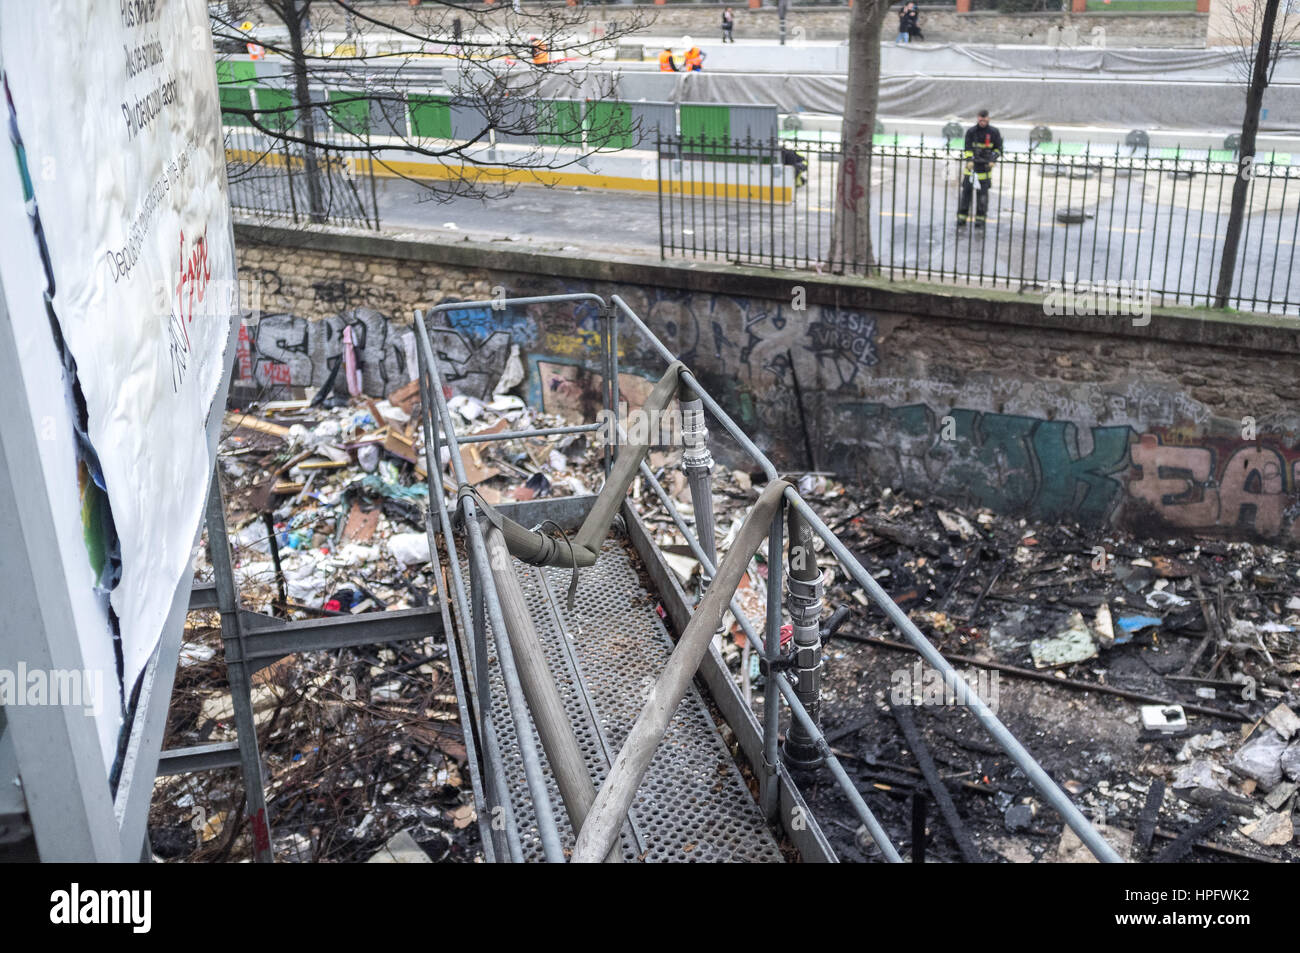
(619, 790)
(549, 717)
(237, 668)
(804, 599)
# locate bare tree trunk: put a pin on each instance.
(1249, 128)
(295, 12)
(850, 244)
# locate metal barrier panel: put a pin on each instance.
(430, 116)
(388, 115)
(651, 120)
(518, 121)
(610, 125)
(754, 122)
(560, 122)
(466, 121)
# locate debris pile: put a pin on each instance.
(1155, 680)
(1175, 665)
(326, 510)
(358, 745)
(337, 498)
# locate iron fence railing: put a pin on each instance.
(1147, 221)
(274, 178)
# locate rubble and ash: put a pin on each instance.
(1081, 637)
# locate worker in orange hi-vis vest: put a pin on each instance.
(693, 59)
(541, 54)
(666, 64)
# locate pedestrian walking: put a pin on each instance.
(728, 24)
(909, 23)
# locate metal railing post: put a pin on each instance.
(804, 588)
(505, 836)
(237, 671)
(768, 792)
(697, 463)
(547, 831)
(609, 331)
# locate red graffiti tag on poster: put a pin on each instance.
(195, 272)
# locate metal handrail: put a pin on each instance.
(527, 683)
(491, 745)
(787, 690)
(607, 798)
(999, 732)
(546, 824)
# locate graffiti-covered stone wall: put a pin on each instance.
(1186, 425)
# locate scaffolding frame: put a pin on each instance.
(56, 751)
(778, 794)
(53, 783)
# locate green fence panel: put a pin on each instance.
(559, 123)
(276, 99)
(609, 126)
(705, 123)
(430, 117)
(231, 72)
(350, 112)
(235, 99)
(232, 80)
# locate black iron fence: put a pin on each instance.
(275, 179)
(1150, 220)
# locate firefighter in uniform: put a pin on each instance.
(983, 148)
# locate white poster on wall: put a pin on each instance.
(119, 277)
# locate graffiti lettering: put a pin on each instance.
(192, 281)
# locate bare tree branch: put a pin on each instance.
(353, 100)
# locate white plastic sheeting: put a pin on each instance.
(1132, 103)
(116, 106)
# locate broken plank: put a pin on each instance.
(943, 800)
(905, 537)
(247, 422)
(1185, 841)
(1146, 825)
(397, 444)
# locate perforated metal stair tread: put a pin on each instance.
(693, 805)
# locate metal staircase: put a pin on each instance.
(591, 737)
